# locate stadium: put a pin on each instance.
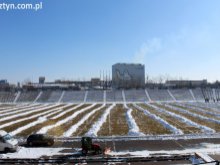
(125, 111)
(173, 111)
(110, 82)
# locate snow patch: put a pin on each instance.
(45, 129)
(192, 114)
(96, 126)
(28, 118)
(207, 148)
(33, 153)
(160, 120)
(27, 112)
(17, 107)
(198, 109)
(73, 129)
(20, 129)
(15, 111)
(183, 119)
(40, 120)
(133, 128)
(69, 110)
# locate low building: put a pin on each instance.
(186, 83)
(95, 82)
(5, 86)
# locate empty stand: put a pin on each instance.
(55, 96)
(159, 95)
(210, 94)
(38, 96)
(182, 94)
(198, 94)
(27, 96)
(192, 94)
(114, 96)
(73, 96)
(135, 95)
(95, 96)
(132, 95)
(217, 93)
(7, 97)
(44, 97)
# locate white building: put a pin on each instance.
(128, 75)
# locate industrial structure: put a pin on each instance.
(127, 76)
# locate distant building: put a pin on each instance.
(3, 82)
(4, 85)
(41, 80)
(128, 76)
(18, 85)
(186, 83)
(95, 81)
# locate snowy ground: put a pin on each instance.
(205, 148)
(18, 118)
(33, 153)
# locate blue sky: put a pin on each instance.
(75, 39)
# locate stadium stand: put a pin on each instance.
(7, 97)
(110, 96)
(211, 94)
(95, 96)
(28, 96)
(182, 94)
(135, 95)
(198, 94)
(44, 96)
(73, 96)
(38, 96)
(17, 96)
(118, 96)
(205, 93)
(61, 97)
(68, 96)
(55, 96)
(114, 96)
(192, 94)
(217, 93)
(159, 95)
(104, 96)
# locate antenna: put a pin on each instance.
(109, 78)
(103, 80)
(106, 79)
(100, 74)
